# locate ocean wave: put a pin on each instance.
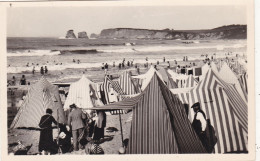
(64, 66)
(167, 48)
(32, 53)
(121, 49)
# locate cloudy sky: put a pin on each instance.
(55, 21)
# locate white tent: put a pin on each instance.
(146, 78)
(81, 93)
(229, 76)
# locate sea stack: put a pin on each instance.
(94, 36)
(82, 35)
(70, 35)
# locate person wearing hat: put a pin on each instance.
(75, 120)
(46, 143)
(199, 122)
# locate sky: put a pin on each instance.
(56, 21)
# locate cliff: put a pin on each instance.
(83, 35)
(224, 32)
(70, 34)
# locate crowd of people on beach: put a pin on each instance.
(85, 130)
(13, 82)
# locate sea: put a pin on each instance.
(24, 53)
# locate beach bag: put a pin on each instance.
(96, 149)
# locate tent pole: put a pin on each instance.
(121, 129)
(58, 139)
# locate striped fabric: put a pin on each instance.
(184, 95)
(214, 66)
(190, 82)
(159, 122)
(40, 96)
(79, 94)
(229, 76)
(226, 110)
(167, 78)
(146, 78)
(115, 85)
(127, 84)
(243, 81)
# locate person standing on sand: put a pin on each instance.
(13, 82)
(100, 125)
(42, 71)
(138, 70)
(33, 71)
(46, 70)
(199, 122)
(23, 80)
(75, 120)
(46, 143)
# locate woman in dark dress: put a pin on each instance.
(65, 139)
(100, 125)
(46, 136)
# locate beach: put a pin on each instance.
(62, 69)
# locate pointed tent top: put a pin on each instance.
(40, 96)
(227, 74)
(84, 79)
(79, 94)
(148, 76)
(213, 66)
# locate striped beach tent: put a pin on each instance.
(167, 78)
(40, 96)
(190, 82)
(159, 122)
(213, 66)
(144, 79)
(229, 76)
(184, 96)
(243, 79)
(180, 79)
(80, 93)
(127, 84)
(106, 87)
(226, 110)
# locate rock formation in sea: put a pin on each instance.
(224, 32)
(94, 36)
(70, 35)
(83, 35)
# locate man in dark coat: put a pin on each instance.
(199, 123)
(75, 120)
(46, 135)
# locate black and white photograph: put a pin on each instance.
(127, 79)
